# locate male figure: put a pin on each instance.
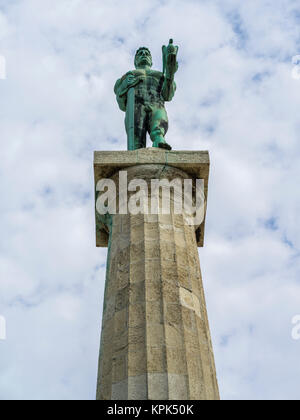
(151, 89)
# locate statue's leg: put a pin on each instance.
(158, 127)
(140, 126)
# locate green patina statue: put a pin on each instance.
(142, 92)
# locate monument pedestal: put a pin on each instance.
(155, 341)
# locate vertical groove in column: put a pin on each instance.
(184, 288)
(182, 251)
(119, 344)
(176, 358)
(137, 355)
(155, 332)
(194, 348)
(104, 388)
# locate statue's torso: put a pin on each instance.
(150, 86)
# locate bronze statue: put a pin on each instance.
(142, 92)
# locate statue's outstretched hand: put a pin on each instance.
(128, 82)
(170, 64)
(131, 80)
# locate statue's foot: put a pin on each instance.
(162, 144)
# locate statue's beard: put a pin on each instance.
(145, 63)
(144, 60)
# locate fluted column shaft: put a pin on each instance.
(155, 341)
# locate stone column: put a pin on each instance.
(155, 341)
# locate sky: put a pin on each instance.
(238, 96)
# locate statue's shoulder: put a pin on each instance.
(121, 79)
(125, 75)
(155, 73)
(135, 72)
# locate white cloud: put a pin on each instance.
(236, 97)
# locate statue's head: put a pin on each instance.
(143, 58)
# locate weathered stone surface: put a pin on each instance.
(155, 340)
(107, 163)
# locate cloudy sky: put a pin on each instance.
(238, 96)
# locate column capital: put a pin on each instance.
(107, 163)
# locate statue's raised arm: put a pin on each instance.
(142, 92)
(170, 67)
